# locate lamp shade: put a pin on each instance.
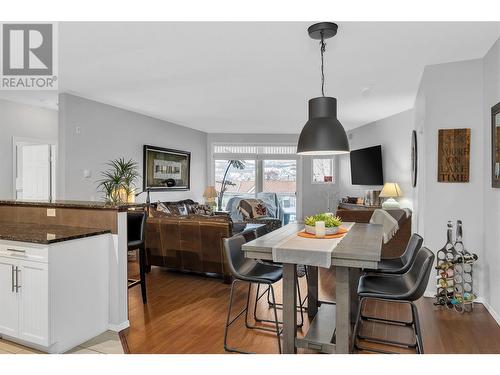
(323, 134)
(210, 192)
(391, 190)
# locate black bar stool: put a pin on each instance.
(404, 288)
(136, 229)
(249, 271)
(402, 264)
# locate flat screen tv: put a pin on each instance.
(366, 166)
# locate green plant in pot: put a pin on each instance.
(332, 223)
(118, 182)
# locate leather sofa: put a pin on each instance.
(187, 242)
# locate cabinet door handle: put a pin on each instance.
(17, 279)
(13, 285)
(17, 250)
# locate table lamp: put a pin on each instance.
(391, 190)
(210, 194)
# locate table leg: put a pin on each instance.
(289, 308)
(343, 321)
(312, 291)
(354, 276)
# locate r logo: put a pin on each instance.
(27, 49)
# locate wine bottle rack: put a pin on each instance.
(454, 284)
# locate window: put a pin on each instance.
(322, 171)
(238, 177)
(266, 169)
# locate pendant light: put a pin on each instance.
(323, 134)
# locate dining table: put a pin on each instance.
(330, 330)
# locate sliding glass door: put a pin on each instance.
(280, 177)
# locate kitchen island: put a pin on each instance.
(63, 272)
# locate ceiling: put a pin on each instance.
(256, 77)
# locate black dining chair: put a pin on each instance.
(403, 288)
(136, 233)
(252, 272)
(401, 264)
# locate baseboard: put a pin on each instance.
(492, 312)
(481, 300)
(118, 327)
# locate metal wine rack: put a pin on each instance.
(455, 288)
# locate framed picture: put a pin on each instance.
(453, 155)
(166, 169)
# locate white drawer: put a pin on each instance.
(17, 250)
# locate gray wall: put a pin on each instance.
(21, 120)
(451, 96)
(394, 134)
(107, 132)
(491, 214)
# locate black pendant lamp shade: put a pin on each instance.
(323, 134)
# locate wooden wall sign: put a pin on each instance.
(453, 155)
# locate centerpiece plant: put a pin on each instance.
(118, 182)
(330, 220)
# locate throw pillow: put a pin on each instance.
(252, 208)
(183, 210)
(203, 209)
(162, 208)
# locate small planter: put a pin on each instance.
(312, 230)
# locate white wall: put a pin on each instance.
(394, 134)
(21, 120)
(491, 215)
(108, 132)
(451, 96)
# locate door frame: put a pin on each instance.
(33, 141)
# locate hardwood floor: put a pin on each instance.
(186, 314)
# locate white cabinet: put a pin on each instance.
(33, 302)
(9, 306)
(24, 296)
(54, 297)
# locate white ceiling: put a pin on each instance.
(256, 77)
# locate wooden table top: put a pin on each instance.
(360, 247)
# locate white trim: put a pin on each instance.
(490, 309)
(119, 327)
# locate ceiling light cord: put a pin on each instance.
(322, 48)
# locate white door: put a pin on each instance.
(33, 306)
(8, 298)
(36, 172)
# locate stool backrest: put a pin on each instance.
(411, 251)
(136, 225)
(418, 274)
(234, 255)
(260, 231)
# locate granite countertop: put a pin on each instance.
(45, 233)
(71, 204)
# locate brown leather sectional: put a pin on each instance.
(188, 242)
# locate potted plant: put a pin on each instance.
(118, 183)
(332, 223)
